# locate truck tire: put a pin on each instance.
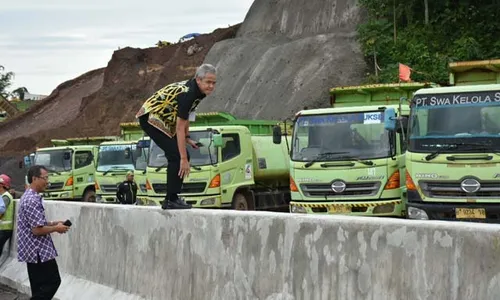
(89, 196)
(241, 201)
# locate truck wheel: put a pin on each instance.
(89, 196)
(240, 202)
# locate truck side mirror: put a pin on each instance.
(390, 119)
(218, 142)
(402, 124)
(143, 144)
(277, 135)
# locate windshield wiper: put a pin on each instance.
(164, 165)
(320, 156)
(473, 146)
(53, 171)
(113, 169)
(365, 162)
(161, 167)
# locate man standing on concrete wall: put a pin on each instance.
(6, 211)
(34, 243)
(165, 118)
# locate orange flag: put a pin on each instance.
(404, 72)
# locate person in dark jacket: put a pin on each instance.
(127, 190)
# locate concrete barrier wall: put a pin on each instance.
(117, 252)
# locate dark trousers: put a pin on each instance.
(5, 235)
(169, 146)
(44, 279)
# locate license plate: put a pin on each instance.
(470, 213)
(340, 209)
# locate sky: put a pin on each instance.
(46, 43)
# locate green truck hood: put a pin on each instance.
(440, 179)
(361, 181)
(198, 181)
(58, 182)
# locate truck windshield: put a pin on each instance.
(116, 157)
(334, 136)
(443, 122)
(198, 157)
(54, 160)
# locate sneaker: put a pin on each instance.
(177, 204)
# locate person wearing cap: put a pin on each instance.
(6, 211)
(127, 190)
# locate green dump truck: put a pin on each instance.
(71, 168)
(343, 161)
(116, 158)
(237, 167)
(453, 146)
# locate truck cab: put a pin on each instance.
(453, 142)
(343, 161)
(114, 159)
(237, 166)
(71, 168)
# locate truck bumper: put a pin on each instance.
(145, 201)
(473, 212)
(58, 195)
(388, 207)
(204, 201)
(106, 198)
(484, 212)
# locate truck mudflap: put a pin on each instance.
(389, 207)
(477, 212)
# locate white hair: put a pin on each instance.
(205, 69)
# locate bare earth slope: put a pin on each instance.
(96, 102)
(286, 55)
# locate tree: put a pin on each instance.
(20, 92)
(5, 81)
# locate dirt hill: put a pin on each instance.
(94, 103)
(284, 56)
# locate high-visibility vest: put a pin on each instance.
(7, 220)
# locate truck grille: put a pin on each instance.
(108, 188)
(187, 188)
(352, 189)
(453, 189)
(55, 186)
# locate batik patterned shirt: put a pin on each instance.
(174, 100)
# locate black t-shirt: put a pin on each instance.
(172, 101)
(187, 102)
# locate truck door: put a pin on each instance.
(83, 172)
(233, 163)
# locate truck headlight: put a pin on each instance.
(209, 201)
(417, 214)
(297, 209)
(63, 195)
(98, 198)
